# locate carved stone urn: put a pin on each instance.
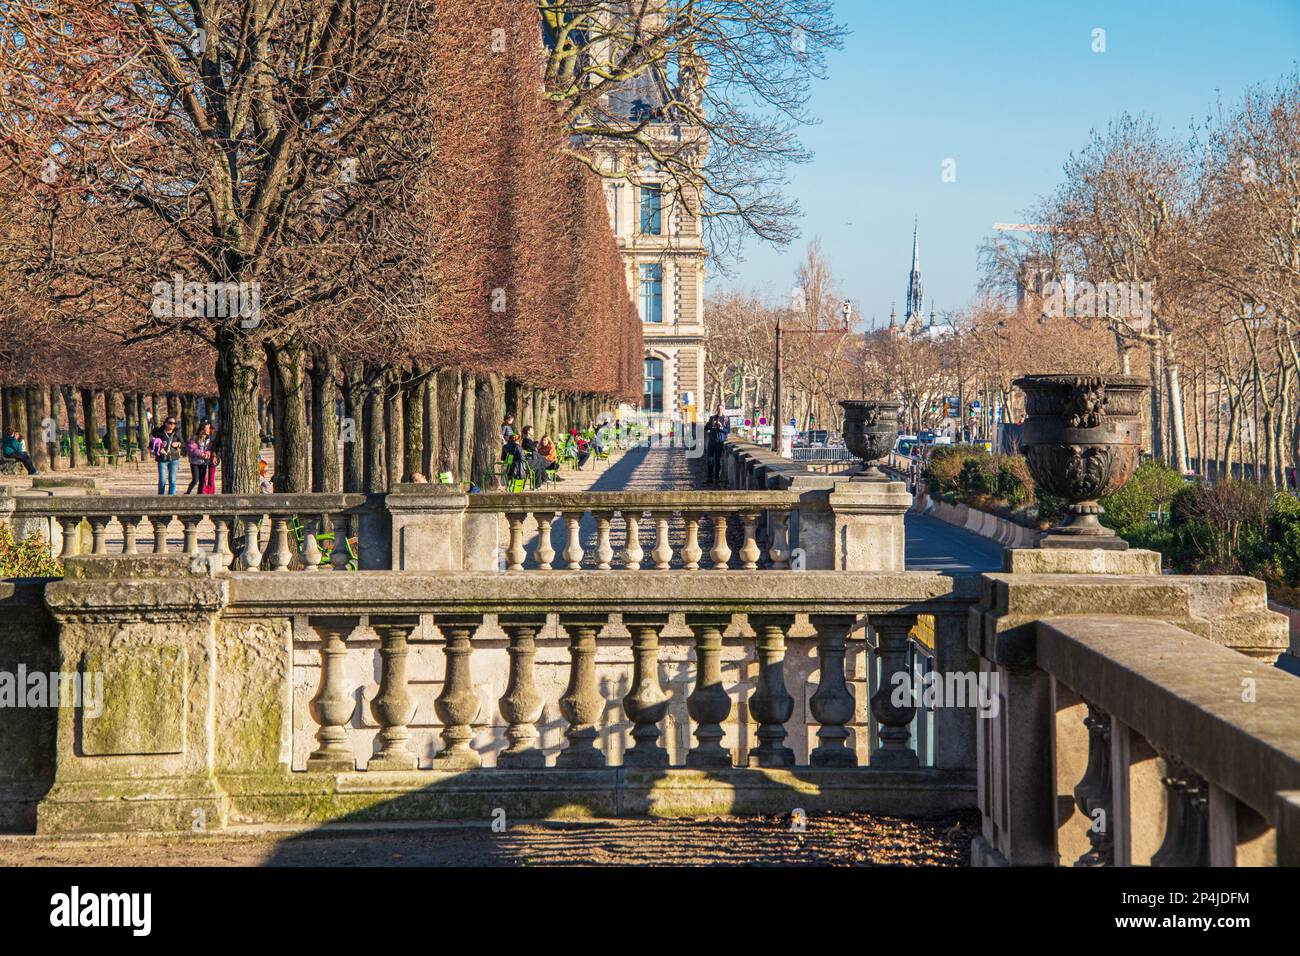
(870, 432)
(1080, 439)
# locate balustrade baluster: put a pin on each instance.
(130, 528)
(573, 552)
(1187, 821)
(645, 704)
(311, 552)
(832, 705)
(749, 552)
(1093, 794)
(691, 552)
(339, 557)
(250, 559)
(515, 553)
(160, 524)
(779, 551)
(190, 524)
(70, 528)
(632, 553)
(332, 706)
(895, 748)
(99, 534)
(521, 705)
(708, 704)
(721, 552)
(663, 552)
(221, 541)
(604, 549)
(393, 707)
(771, 704)
(582, 704)
(545, 551)
(281, 554)
(457, 706)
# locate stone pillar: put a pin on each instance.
(582, 704)
(832, 705)
(645, 704)
(521, 705)
(868, 524)
(1093, 794)
(427, 523)
(1137, 797)
(333, 705)
(457, 706)
(771, 704)
(709, 705)
(136, 750)
(393, 707)
(893, 717)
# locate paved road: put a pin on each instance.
(933, 545)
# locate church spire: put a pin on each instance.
(914, 308)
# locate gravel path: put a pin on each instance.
(857, 839)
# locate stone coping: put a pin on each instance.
(1184, 695)
(658, 592)
(703, 501)
(98, 505)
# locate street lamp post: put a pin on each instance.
(778, 412)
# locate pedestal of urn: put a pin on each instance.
(870, 432)
(1080, 439)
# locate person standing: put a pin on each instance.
(166, 445)
(199, 451)
(214, 456)
(507, 429)
(716, 431)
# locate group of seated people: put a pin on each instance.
(523, 453)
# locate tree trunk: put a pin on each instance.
(288, 378)
(414, 389)
(465, 467)
(395, 439)
(449, 402)
(375, 474)
(90, 426)
(239, 370)
(142, 427)
(35, 429)
(190, 419)
(489, 396)
(354, 466)
(52, 451)
(324, 423)
(429, 460)
(129, 429)
(70, 404)
(1176, 419)
(110, 428)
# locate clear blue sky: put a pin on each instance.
(1007, 88)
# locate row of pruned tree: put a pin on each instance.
(365, 206)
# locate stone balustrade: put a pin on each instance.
(655, 530)
(1142, 721)
(391, 695)
(274, 532)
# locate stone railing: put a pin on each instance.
(690, 530)
(246, 532)
(807, 525)
(1141, 719)
(230, 695)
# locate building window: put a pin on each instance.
(652, 398)
(651, 211)
(652, 292)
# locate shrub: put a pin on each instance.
(943, 468)
(1012, 481)
(973, 479)
(1283, 536)
(1226, 522)
(29, 558)
(1152, 487)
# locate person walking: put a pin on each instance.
(16, 448)
(166, 446)
(199, 451)
(715, 440)
(214, 456)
